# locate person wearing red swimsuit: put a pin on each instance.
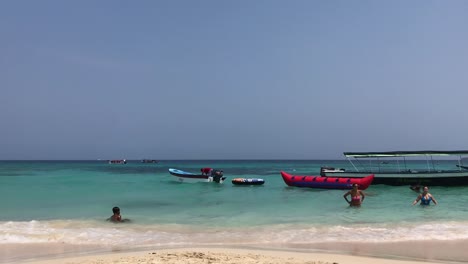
(357, 196)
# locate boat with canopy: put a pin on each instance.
(434, 168)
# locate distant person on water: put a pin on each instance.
(416, 188)
(206, 171)
(217, 175)
(357, 196)
(425, 197)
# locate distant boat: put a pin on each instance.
(118, 161)
(331, 169)
(149, 161)
(321, 182)
(365, 163)
(183, 176)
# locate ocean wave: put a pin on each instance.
(109, 234)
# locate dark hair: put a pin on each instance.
(116, 210)
(355, 184)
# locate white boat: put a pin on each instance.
(401, 170)
(183, 176)
(331, 169)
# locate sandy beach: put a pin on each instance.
(404, 252)
(221, 256)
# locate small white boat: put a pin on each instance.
(183, 176)
(331, 170)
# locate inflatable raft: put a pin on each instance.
(248, 181)
(326, 182)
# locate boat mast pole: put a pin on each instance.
(350, 161)
(433, 166)
(459, 162)
(427, 162)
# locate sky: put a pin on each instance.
(261, 79)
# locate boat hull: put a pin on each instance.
(183, 176)
(435, 178)
(321, 182)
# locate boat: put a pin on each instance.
(183, 176)
(248, 181)
(118, 161)
(321, 182)
(331, 169)
(149, 161)
(416, 168)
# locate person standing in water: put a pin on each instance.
(357, 196)
(425, 197)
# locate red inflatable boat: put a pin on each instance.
(326, 182)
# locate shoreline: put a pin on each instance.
(221, 255)
(327, 252)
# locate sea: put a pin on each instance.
(68, 202)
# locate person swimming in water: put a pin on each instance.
(116, 217)
(416, 188)
(357, 196)
(425, 197)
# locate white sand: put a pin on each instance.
(220, 256)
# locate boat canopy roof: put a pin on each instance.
(405, 153)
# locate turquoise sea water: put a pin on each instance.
(68, 202)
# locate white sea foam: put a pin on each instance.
(90, 232)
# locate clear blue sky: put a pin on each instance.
(231, 79)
